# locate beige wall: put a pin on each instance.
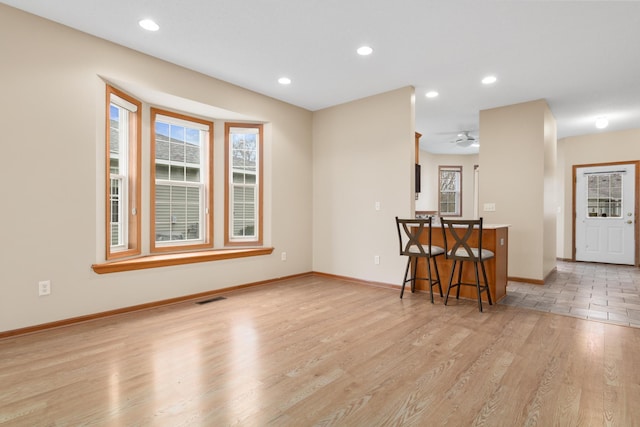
(428, 198)
(601, 147)
(52, 110)
(320, 197)
(516, 167)
(363, 153)
(550, 212)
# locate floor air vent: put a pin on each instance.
(207, 301)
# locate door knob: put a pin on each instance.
(629, 222)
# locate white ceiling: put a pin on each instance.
(583, 57)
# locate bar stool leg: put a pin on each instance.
(429, 276)
(486, 283)
(475, 267)
(435, 266)
(459, 279)
(415, 271)
(404, 282)
(453, 270)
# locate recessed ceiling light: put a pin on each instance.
(489, 80)
(602, 122)
(364, 50)
(284, 80)
(149, 25)
(431, 94)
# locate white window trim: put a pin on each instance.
(205, 168)
(256, 234)
(125, 108)
(457, 191)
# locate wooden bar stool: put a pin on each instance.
(410, 232)
(459, 250)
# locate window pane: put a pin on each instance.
(243, 180)
(450, 190)
(122, 163)
(162, 171)
(177, 152)
(193, 136)
(177, 133)
(116, 212)
(193, 174)
(162, 131)
(162, 150)
(114, 138)
(604, 195)
(177, 173)
(244, 211)
(192, 154)
(181, 217)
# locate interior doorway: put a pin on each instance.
(476, 191)
(605, 210)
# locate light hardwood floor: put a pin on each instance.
(319, 351)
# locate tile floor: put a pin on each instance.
(604, 292)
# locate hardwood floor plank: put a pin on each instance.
(325, 352)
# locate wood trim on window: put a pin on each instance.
(208, 243)
(227, 170)
(459, 170)
(135, 187)
(166, 260)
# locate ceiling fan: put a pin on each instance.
(465, 140)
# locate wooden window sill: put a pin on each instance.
(165, 260)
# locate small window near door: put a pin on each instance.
(450, 190)
(604, 195)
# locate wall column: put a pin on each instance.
(517, 176)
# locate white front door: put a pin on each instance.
(605, 214)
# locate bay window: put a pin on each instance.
(181, 182)
(243, 186)
(122, 181)
(179, 185)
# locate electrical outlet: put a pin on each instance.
(283, 256)
(489, 207)
(376, 259)
(44, 287)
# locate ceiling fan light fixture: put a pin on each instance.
(465, 140)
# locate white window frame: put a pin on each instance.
(256, 237)
(128, 161)
(457, 191)
(122, 178)
(204, 185)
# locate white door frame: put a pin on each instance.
(636, 228)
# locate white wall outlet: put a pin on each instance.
(376, 259)
(283, 256)
(489, 207)
(44, 287)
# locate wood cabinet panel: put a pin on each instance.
(496, 240)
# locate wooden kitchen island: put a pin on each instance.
(496, 239)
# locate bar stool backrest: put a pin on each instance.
(458, 246)
(410, 232)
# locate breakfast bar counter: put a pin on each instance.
(495, 237)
